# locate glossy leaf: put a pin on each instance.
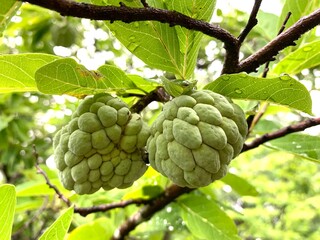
(240, 185)
(206, 220)
(7, 10)
(308, 56)
(172, 49)
(7, 209)
(283, 90)
(59, 229)
(66, 76)
(17, 71)
(302, 145)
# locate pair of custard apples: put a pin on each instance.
(107, 146)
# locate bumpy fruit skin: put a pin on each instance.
(195, 137)
(102, 146)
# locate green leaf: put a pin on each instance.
(174, 49)
(7, 209)
(17, 71)
(178, 87)
(8, 9)
(143, 84)
(283, 90)
(28, 204)
(59, 229)
(138, 37)
(101, 228)
(302, 145)
(206, 220)
(189, 41)
(307, 56)
(240, 185)
(37, 188)
(298, 9)
(66, 76)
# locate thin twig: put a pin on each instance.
(281, 133)
(251, 22)
(43, 173)
(263, 109)
(144, 3)
(266, 67)
(84, 211)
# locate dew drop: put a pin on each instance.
(225, 78)
(242, 75)
(238, 91)
(133, 46)
(307, 49)
(136, 24)
(132, 38)
(285, 77)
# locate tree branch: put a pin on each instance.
(146, 212)
(285, 39)
(281, 133)
(159, 94)
(251, 22)
(129, 14)
(231, 62)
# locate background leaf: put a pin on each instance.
(240, 185)
(7, 10)
(308, 56)
(66, 76)
(206, 220)
(59, 229)
(298, 9)
(302, 145)
(17, 71)
(282, 90)
(38, 188)
(7, 208)
(101, 228)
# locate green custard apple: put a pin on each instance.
(103, 146)
(195, 137)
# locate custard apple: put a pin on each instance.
(195, 137)
(102, 146)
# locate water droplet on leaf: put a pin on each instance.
(285, 77)
(242, 75)
(132, 38)
(136, 24)
(238, 91)
(225, 78)
(133, 46)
